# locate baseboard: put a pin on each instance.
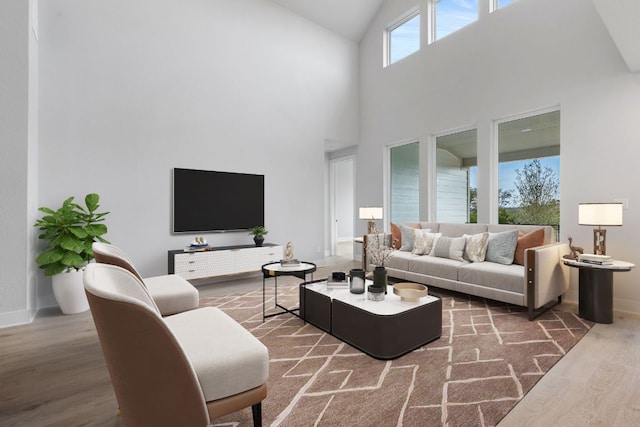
(15, 318)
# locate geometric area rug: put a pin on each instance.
(488, 357)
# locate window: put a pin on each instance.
(529, 170)
(403, 38)
(451, 15)
(502, 3)
(457, 177)
(405, 183)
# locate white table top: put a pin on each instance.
(616, 265)
(391, 304)
(276, 266)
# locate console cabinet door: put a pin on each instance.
(197, 265)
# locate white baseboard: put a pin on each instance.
(15, 318)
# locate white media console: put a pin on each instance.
(222, 261)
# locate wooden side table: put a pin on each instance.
(595, 300)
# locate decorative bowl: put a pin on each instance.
(410, 292)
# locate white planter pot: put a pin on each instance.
(68, 289)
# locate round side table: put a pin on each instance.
(595, 300)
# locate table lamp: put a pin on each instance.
(600, 214)
(371, 214)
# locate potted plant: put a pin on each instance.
(258, 232)
(69, 232)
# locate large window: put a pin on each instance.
(456, 182)
(405, 183)
(403, 37)
(529, 170)
(452, 15)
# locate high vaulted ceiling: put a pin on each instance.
(349, 18)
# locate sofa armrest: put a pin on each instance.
(546, 276)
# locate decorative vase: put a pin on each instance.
(258, 240)
(356, 281)
(68, 289)
(380, 278)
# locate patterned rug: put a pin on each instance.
(489, 356)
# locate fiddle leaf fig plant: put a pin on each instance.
(70, 231)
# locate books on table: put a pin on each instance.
(595, 259)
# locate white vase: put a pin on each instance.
(68, 288)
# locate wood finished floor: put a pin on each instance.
(52, 373)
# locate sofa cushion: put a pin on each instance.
(526, 241)
(449, 247)
(457, 230)
(399, 260)
(475, 249)
(502, 246)
(444, 268)
(423, 241)
(407, 238)
(493, 275)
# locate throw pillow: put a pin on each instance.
(502, 246)
(396, 236)
(449, 247)
(476, 248)
(406, 238)
(526, 241)
(423, 241)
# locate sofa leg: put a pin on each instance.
(257, 414)
(535, 313)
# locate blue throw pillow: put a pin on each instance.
(501, 247)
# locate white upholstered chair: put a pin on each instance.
(171, 293)
(180, 370)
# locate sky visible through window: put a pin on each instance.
(507, 172)
(502, 3)
(451, 15)
(405, 39)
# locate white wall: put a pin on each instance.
(130, 90)
(529, 55)
(18, 162)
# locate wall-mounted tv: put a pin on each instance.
(210, 201)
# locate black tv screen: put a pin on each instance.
(216, 201)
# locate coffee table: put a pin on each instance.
(382, 329)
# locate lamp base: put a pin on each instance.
(371, 227)
(599, 241)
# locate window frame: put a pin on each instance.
(395, 24)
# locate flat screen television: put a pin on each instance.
(210, 201)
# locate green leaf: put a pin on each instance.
(79, 232)
(72, 259)
(91, 200)
(96, 230)
(53, 269)
(70, 243)
(50, 256)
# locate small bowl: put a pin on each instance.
(410, 292)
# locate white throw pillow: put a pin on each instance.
(449, 247)
(423, 241)
(476, 248)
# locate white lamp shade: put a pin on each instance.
(609, 214)
(370, 213)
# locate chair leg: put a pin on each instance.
(257, 414)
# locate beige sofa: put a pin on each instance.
(537, 284)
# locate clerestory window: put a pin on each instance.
(452, 15)
(403, 37)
